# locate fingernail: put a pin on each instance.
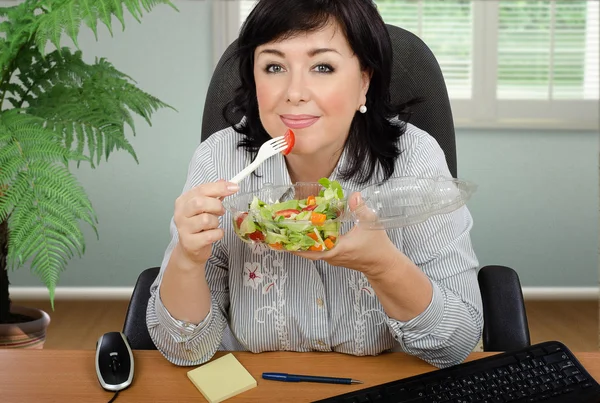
(233, 187)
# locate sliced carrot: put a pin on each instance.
(332, 238)
(311, 201)
(317, 219)
(276, 245)
(329, 244)
(313, 236)
(317, 248)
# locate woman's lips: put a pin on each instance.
(298, 121)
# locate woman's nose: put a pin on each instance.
(297, 90)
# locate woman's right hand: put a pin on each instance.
(196, 217)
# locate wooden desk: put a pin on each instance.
(70, 376)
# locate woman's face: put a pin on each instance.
(313, 84)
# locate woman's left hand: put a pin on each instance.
(360, 249)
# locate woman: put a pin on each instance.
(321, 67)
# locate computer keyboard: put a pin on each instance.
(545, 372)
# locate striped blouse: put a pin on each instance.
(265, 300)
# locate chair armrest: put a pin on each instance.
(135, 327)
(505, 319)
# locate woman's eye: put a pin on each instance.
(274, 68)
(324, 68)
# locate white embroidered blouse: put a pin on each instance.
(264, 300)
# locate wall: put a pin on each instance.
(536, 209)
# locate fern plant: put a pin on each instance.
(57, 111)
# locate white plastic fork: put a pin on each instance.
(267, 150)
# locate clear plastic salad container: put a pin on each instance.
(299, 217)
(308, 216)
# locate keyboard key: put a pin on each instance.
(537, 362)
(537, 372)
(417, 392)
(375, 396)
(571, 371)
(520, 394)
(527, 375)
(565, 364)
(537, 352)
(513, 368)
(526, 365)
(552, 348)
(556, 357)
(433, 389)
(453, 394)
(398, 392)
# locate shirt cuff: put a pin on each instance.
(424, 323)
(180, 331)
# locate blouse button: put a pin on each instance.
(320, 302)
(320, 343)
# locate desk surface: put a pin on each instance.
(70, 376)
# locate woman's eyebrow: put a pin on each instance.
(311, 53)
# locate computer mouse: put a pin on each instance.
(114, 361)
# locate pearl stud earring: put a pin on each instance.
(362, 109)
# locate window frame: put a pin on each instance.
(483, 109)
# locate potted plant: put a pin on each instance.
(56, 111)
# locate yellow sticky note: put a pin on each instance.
(222, 378)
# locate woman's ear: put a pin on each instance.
(366, 80)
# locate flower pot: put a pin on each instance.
(29, 335)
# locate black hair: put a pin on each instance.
(373, 138)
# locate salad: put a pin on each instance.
(295, 225)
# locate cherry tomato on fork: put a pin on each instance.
(290, 139)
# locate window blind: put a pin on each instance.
(447, 28)
(548, 50)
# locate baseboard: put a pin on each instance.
(124, 293)
(72, 293)
(560, 293)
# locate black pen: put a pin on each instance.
(278, 376)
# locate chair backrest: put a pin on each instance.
(416, 74)
(135, 327)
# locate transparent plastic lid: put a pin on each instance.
(404, 201)
(396, 203)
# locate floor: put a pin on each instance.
(78, 324)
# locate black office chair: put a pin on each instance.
(416, 74)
